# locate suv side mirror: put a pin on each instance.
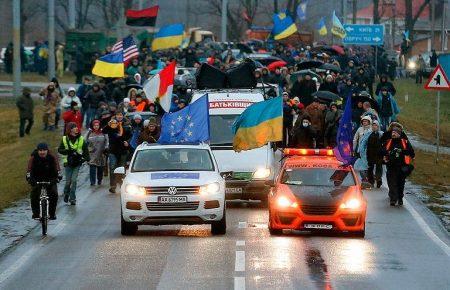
(120, 170)
(270, 183)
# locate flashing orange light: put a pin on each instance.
(308, 152)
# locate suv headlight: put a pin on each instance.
(211, 188)
(261, 173)
(353, 203)
(135, 190)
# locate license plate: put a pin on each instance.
(233, 190)
(172, 199)
(318, 226)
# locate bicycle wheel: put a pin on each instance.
(44, 216)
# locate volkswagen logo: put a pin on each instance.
(172, 190)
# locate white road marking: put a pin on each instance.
(240, 243)
(239, 265)
(426, 228)
(239, 283)
(242, 225)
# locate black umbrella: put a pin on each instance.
(329, 66)
(366, 98)
(309, 64)
(326, 96)
(295, 75)
(134, 86)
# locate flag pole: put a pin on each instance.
(438, 105)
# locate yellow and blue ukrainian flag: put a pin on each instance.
(168, 36)
(321, 27)
(259, 124)
(110, 66)
(283, 26)
(337, 28)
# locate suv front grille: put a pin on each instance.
(155, 206)
(318, 209)
(182, 190)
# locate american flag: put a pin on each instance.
(129, 48)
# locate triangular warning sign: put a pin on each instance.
(438, 80)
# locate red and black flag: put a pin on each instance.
(144, 17)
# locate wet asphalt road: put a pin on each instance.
(84, 250)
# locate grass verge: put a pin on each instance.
(418, 114)
(35, 77)
(15, 151)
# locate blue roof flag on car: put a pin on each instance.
(344, 138)
(189, 125)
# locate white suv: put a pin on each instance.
(172, 184)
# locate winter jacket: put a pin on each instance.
(67, 100)
(393, 111)
(374, 147)
(317, 117)
(396, 153)
(116, 141)
(68, 152)
(25, 104)
(303, 137)
(361, 163)
(98, 143)
(43, 169)
(93, 98)
(51, 100)
(73, 116)
(332, 122)
(149, 137)
(385, 84)
(359, 134)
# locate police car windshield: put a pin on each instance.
(220, 128)
(318, 177)
(172, 159)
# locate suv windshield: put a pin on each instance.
(220, 128)
(172, 159)
(318, 177)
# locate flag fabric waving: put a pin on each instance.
(337, 28)
(168, 36)
(109, 66)
(160, 87)
(344, 138)
(283, 26)
(406, 35)
(144, 17)
(301, 10)
(189, 125)
(128, 47)
(259, 124)
(321, 27)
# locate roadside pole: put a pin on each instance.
(16, 48)
(438, 108)
(376, 60)
(72, 14)
(224, 20)
(51, 39)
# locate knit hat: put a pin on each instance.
(42, 146)
(26, 91)
(375, 122)
(152, 121)
(146, 122)
(137, 116)
(397, 129)
(112, 104)
(126, 100)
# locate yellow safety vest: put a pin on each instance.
(77, 146)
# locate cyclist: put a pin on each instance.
(43, 166)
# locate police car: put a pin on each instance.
(315, 192)
(172, 184)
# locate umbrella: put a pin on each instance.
(134, 86)
(338, 49)
(295, 75)
(326, 96)
(366, 98)
(325, 48)
(329, 66)
(309, 64)
(276, 64)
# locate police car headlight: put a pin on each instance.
(210, 188)
(353, 203)
(136, 190)
(261, 173)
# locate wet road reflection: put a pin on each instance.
(318, 270)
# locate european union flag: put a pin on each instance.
(189, 125)
(301, 10)
(344, 139)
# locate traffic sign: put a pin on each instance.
(364, 34)
(438, 80)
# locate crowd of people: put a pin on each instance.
(104, 120)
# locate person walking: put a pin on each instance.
(75, 151)
(397, 155)
(25, 104)
(317, 115)
(93, 97)
(69, 98)
(150, 132)
(332, 118)
(420, 69)
(51, 101)
(60, 60)
(388, 108)
(303, 135)
(73, 116)
(43, 166)
(374, 155)
(98, 144)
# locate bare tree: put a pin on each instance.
(410, 19)
(83, 12)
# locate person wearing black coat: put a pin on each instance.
(303, 135)
(433, 58)
(329, 85)
(43, 166)
(374, 155)
(304, 90)
(385, 83)
(93, 97)
(25, 104)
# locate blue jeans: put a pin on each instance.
(95, 173)
(71, 182)
(90, 116)
(384, 123)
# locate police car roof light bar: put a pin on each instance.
(308, 152)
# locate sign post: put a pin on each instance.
(438, 81)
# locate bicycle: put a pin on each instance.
(44, 205)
